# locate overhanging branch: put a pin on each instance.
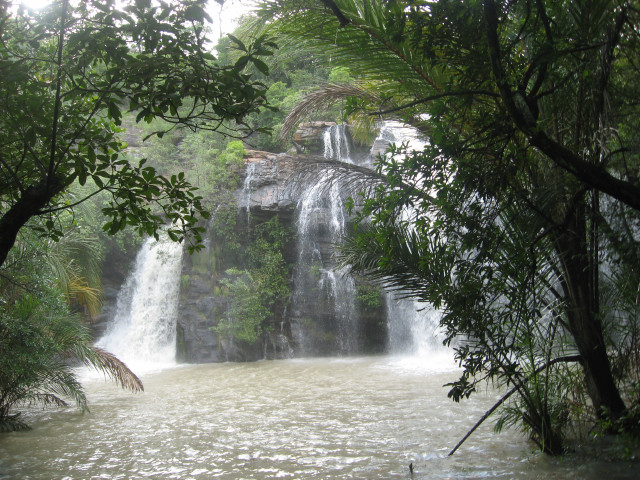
(435, 97)
(516, 106)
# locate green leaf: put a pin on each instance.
(195, 13)
(242, 62)
(238, 43)
(260, 65)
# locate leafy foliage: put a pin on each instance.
(294, 71)
(257, 291)
(41, 340)
(369, 296)
(67, 75)
(513, 215)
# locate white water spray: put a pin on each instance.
(143, 331)
(321, 222)
(336, 144)
(246, 191)
(415, 337)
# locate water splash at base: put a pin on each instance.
(143, 331)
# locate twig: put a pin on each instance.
(565, 359)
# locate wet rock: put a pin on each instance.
(309, 137)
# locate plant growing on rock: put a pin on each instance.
(260, 291)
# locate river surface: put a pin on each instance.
(353, 418)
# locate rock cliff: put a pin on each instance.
(325, 315)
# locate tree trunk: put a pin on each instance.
(583, 318)
(30, 204)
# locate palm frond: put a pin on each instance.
(365, 46)
(53, 381)
(322, 98)
(76, 255)
(81, 293)
(366, 31)
(48, 399)
(353, 179)
(111, 366)
(398, 263)
(43, 347)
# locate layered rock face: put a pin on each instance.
(265, 193)
(309, 138)
(269, 184)
(324, 315)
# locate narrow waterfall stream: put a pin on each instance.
(245, 196)
(336, 144)
(324, 295)
(143, 331)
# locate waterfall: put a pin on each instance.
(336, 144)
(324, 296)
(324, 312)
(143, 330)
(413, 326)
(245, 198)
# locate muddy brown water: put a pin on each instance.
(353, 418)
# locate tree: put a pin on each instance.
(41, 340)
(69, 72)
(501, 220)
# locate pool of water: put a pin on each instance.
(353, 418)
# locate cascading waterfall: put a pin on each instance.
(336, 144)
(324, 296)
(413, 326)
(143, 330)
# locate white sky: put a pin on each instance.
(228, 13)
(231, 11)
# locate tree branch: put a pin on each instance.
(330, 4)
(58, 99)
(435, 97)
(516, 106)
(505, 397)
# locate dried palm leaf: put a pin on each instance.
(81, 293)
(322, 98)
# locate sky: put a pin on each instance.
(231, 11)
(228, 13)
